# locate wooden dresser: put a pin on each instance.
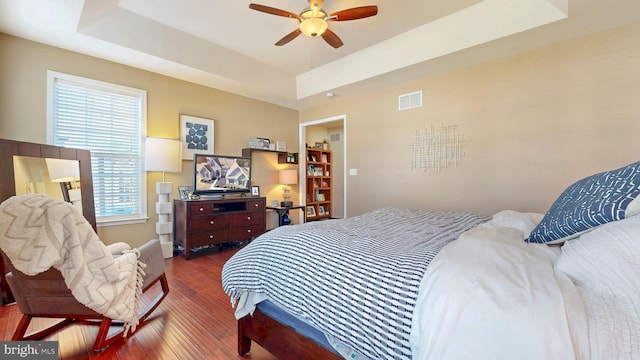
(209, 222)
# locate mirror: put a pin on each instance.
(31, 172)
(58, 178)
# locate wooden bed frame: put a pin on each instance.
(280, 340)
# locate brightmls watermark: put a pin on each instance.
(40, 350)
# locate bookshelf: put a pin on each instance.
(318, 184)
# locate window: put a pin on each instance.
(109, 120)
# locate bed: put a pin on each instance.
(400, 283)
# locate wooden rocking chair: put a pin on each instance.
(46, 296)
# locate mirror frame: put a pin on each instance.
(11, 148)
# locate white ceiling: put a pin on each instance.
(225, 45)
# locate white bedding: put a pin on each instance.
(490, 295)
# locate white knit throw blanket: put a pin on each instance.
(38, 232)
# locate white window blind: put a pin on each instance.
(109, 120)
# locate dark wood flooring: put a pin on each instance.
(195, 320)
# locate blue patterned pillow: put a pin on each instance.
(590, 202)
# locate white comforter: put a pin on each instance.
(490, 295)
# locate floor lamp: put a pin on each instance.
(67, 174)
(164, 155)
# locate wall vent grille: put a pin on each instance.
(410, 100)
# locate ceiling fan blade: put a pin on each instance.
(273, 11)
(354, 13)
(331, 38)
(292, 35)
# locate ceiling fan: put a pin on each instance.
(313, 21)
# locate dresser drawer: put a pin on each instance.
(256, 205)
(246, 232)
(209, 237)
(204, 208)
(210, 222)
(245, 219)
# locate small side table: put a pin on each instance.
(281, 210)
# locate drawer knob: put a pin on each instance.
(201, 209)
(248, 217)
(210, 236)
(249, 231)
(255, 205)
(212, 222)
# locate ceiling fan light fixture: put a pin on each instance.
(313, 23)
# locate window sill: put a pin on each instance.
(116, 222)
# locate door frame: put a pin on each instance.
(302, 159)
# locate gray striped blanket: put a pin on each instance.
(356, 279)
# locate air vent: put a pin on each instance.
(335, 137)
(410, 100)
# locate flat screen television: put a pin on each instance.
(217, 175)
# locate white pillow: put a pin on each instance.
(605, 264)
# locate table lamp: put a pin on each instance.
(164, 155)
(287, 177)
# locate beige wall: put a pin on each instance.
(23, 71)
(533, 124)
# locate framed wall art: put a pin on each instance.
(196, 135)
(185, 192)
(311, 211)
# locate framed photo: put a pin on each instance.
(311, 211)
(319, 146)
(321, 197)
(196, 135)
(184, 192)
(255, 190)
(320, 210)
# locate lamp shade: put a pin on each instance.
(288, 176)
(163, 155)
(62, 170)
(313, 22)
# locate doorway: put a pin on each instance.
(332, 129)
